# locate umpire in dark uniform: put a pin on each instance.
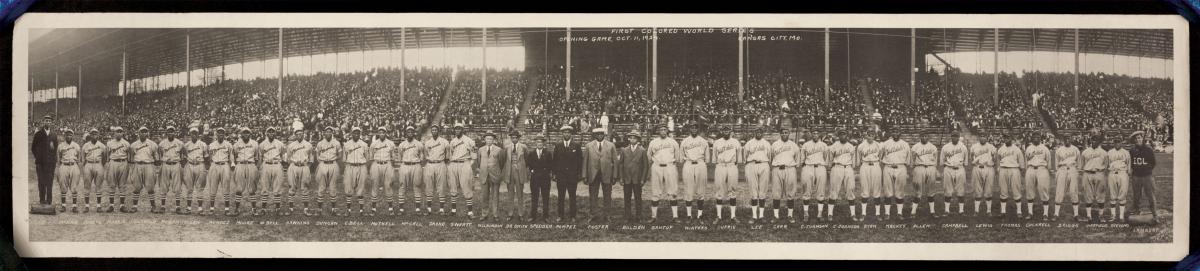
(568, 159)
(44, 149)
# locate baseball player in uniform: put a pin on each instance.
(786, 156)
(435, 171)
(409, 154)
(727, 155)
(1037, 177)
(116, 168)
(1094, 167)
(1119, 165)
(355, 154)
(194, 152)
(245, 172)
(271, 182)
(870, 176)
(220, 181)
(983, 160)
(664, 153)
(299, 155)
(924, 155)
(1012, 159)
(145, 156)
(381, 169)
(842, 175)
(67, 173)
(953, 158)
(93, 170)
(327, 152)
(695, 170)
(756, 156)
(171, 151)
(896, 158)
(814, 175)
(1066, 178)
(461, 170)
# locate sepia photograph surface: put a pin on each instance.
(725, 135)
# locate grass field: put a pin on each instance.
(170, 227)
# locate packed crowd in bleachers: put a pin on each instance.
(372, 99)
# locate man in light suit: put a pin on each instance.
(634, 172)
(600, 171)
(516, 172)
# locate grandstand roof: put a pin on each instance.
(1156, 43)
(151, 51)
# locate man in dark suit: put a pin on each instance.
(44, 149)
(568, 158)
(634, 172)
(540, 161)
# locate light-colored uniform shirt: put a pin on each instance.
(924, 154)
(757, 150)
(69, 152)
(410, 151)
(118, 149)
(694, 149)
(93, 152)
(172, 150)
(1118, 160)
(355, 151)
(983, 154)
(221, 151)
(1037, 156)
(435, 149)
(815, 152)
(664, 151)
(896, 152)
(1095, 159)
(196, 151)
(462, 149)
(1011, 156)
(785, 153)
(328, 150)
(954, 155)
(300, 151)
(1067, 156)
(245, 150)
(843, 153)
(868, 152)
(726, 150)
(144, 151)
(381, 150)
(272, 151)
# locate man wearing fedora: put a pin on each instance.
(600, 169)
(568, 159)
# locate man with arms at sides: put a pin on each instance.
(45, 151)
(540, 161)
(67, 173)
(1142, 160)
(600, 171)
(757, 157)
(634, 172)
(664, 153)
(568, 159)
(869, 172)
(727, 154)
(93, 170)
(491, 171)
(516, 173)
